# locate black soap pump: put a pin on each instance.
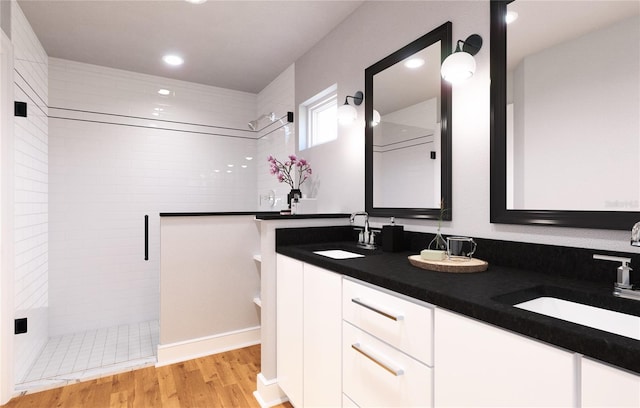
(392, 237)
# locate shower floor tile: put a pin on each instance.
(94, 353)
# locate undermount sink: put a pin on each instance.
(338, 254)
(603, 319)
(596, 309)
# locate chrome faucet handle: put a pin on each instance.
(635, 234)
(625, 261)
(624, 278)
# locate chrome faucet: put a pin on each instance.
(635, 234)
(622, 287)
(366, 238)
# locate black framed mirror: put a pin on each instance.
(408, 148)
(570, 178)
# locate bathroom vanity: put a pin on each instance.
(374, 330)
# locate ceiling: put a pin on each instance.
(240, 45)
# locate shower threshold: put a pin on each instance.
(92, 354)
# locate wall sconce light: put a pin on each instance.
(376, 118)
(461, 65)
(347, 113)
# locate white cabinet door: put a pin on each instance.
(322, 337)
(309, 334)
(478, 365)
(289, 327)
(605, 386)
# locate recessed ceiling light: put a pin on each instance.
(229, 165)
(173, 60)
(414, 63)
(164, 92)
(249, 158)
(244, 166)
(511, 17)
(196, 1)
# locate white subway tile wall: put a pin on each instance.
(119, 150)
(277, 97)
(30, 192)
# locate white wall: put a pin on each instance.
(575, 97)
(112, 161)
(402, 143)
(208, 281)
(277, 139)
(375, 30)
(30, 193)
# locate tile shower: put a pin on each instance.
(92, 353)
(113, 150)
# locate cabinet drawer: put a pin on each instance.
(375, 374)
(399, 322)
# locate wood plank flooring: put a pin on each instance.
(221, 380)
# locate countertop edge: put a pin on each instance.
(260, 215)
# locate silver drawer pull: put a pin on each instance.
(357, 301)
(396, 372)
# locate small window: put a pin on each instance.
(320, 116)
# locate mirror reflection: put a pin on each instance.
(573, 97)
(408, 139)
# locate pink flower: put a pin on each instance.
(293, 172)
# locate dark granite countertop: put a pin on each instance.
(488, 296)
(219, 213)
(299, 216)
(260, 215)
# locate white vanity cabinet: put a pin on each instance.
(343, 342)
(309, 333)
(605, 386)
(386, 348)
(479, 365)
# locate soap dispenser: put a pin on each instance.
(392, 237)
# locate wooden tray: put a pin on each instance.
(452, 266)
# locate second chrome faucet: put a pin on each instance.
(623, 286)
(366, 238)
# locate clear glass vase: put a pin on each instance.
(438, 243)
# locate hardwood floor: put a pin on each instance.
(221, 380)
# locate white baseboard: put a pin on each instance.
(187, 350)
(268, 393)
